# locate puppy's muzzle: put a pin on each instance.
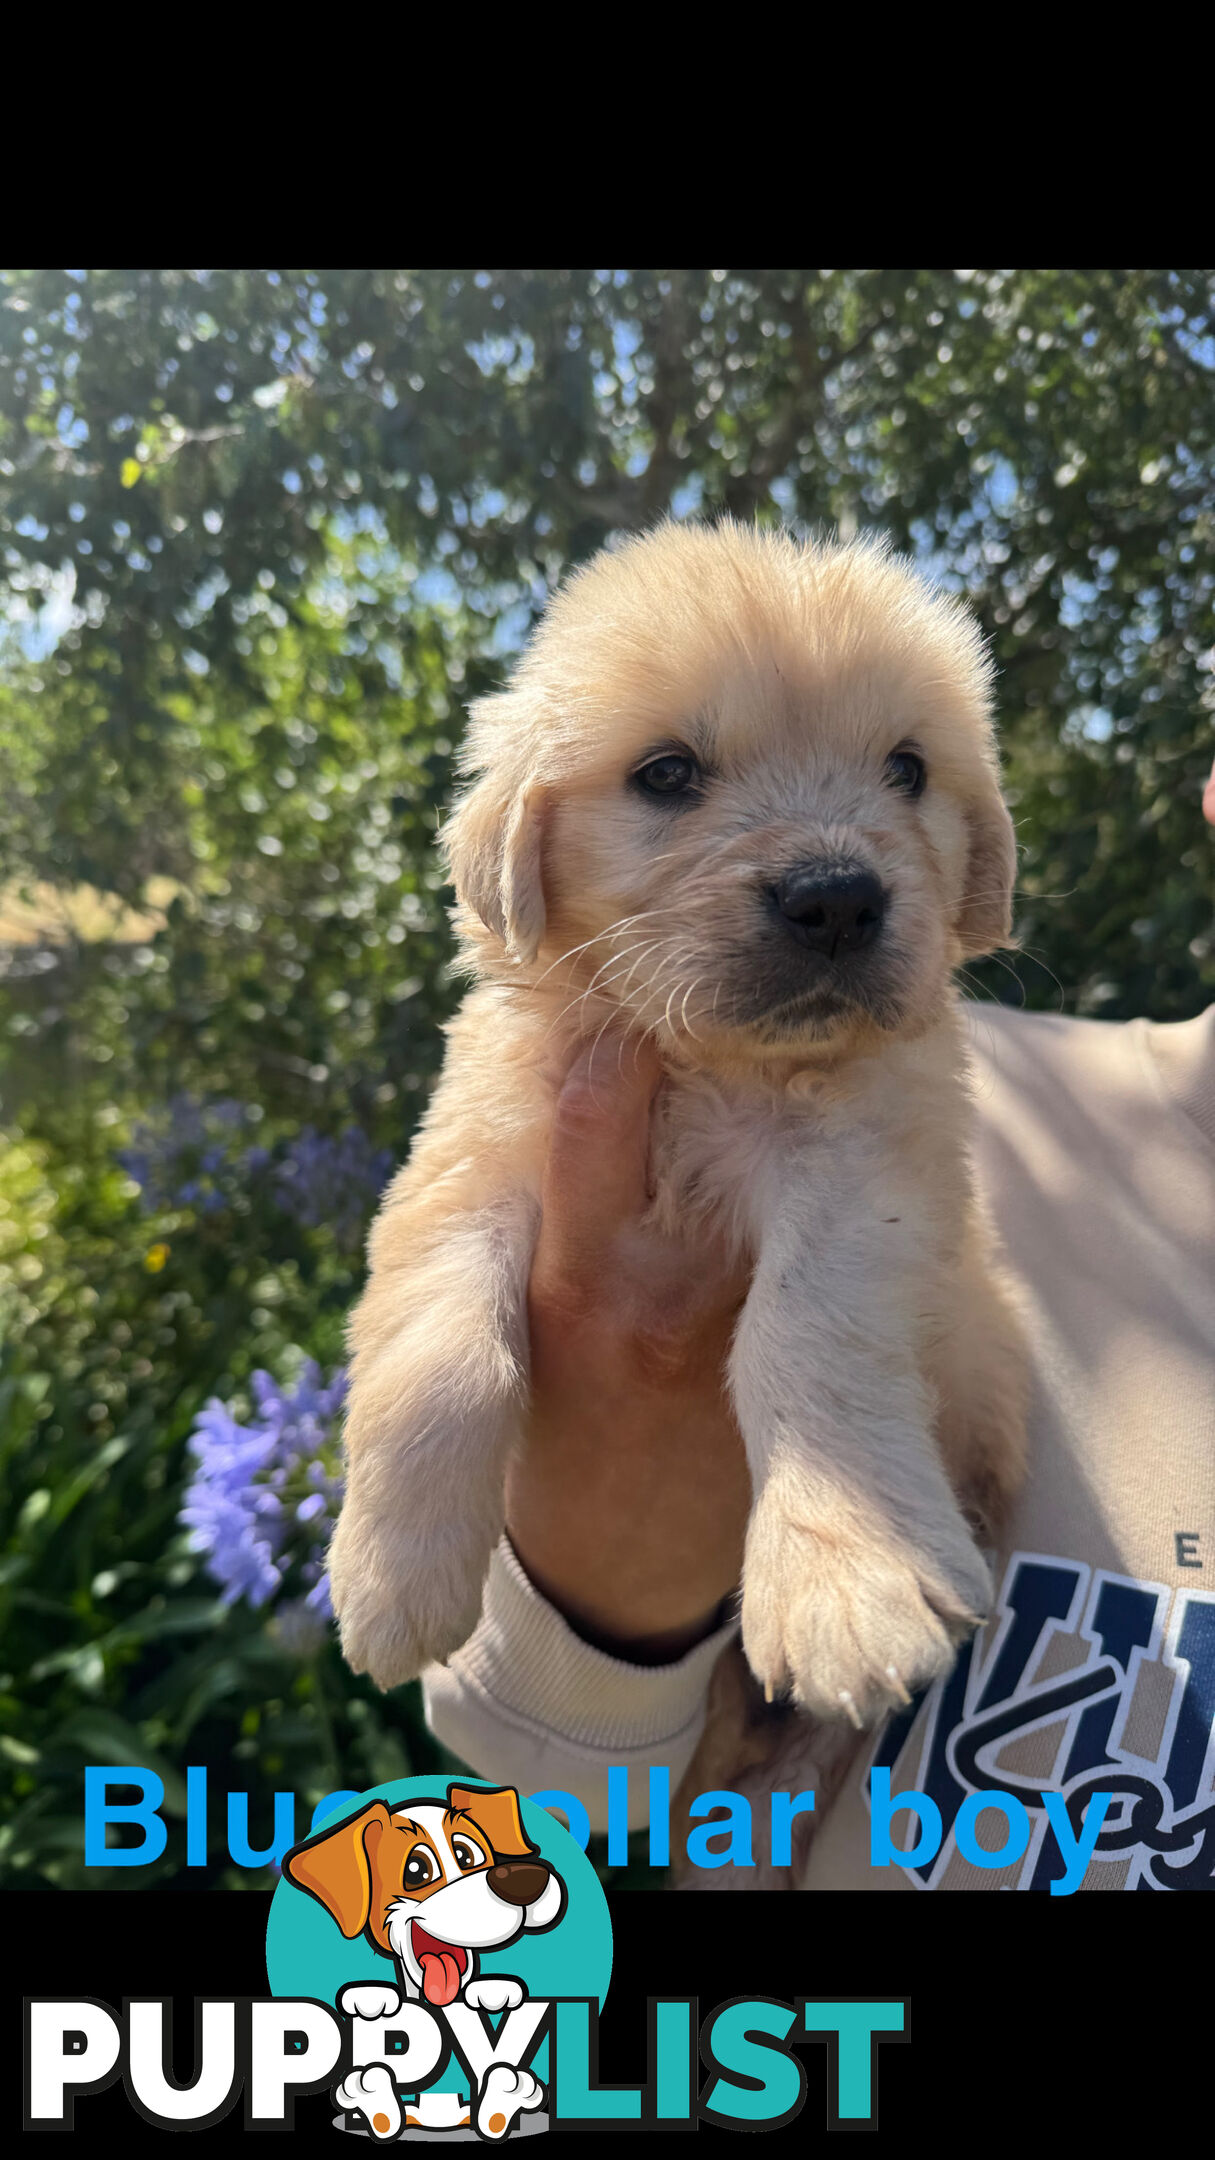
(835, 912)
(519, 1882)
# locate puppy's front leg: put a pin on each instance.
(438, 1380)
(860, 1572)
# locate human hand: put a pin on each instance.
(627, 1501)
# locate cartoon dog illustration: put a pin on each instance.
(431, 1885)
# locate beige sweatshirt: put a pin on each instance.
(1096, 1152)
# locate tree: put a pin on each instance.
(194, 445)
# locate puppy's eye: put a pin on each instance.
(674, 773)
(420, 1868)
(906, 771)
(467, 1854)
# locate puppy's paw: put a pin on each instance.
(990, 1481)
(494, 1991)
(403, 1600)
(372, 2093)
(506, 2094)
(369, 1999)
(854, 1623)
(986, 1501)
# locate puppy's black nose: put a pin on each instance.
(520, 1882)
(835, 912)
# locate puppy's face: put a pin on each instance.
(745, 791)
(432, 1884)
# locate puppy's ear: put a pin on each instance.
(493, 842)
(335, 1868)
(497, 1811)
(985, 917)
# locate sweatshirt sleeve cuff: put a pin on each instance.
(527, 1701)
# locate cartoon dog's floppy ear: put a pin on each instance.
(493, 839)
(496, 1810)
(985, 917)
(335, 1868)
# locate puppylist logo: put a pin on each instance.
(438, 1956)
(457, 1906)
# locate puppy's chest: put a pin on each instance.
(721, 1157)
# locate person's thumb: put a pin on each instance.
(595, 1178)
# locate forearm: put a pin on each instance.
(625, 1527)
(627, 1495)
(529, 1702)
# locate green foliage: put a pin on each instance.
(262, 536)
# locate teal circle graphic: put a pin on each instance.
(307, 1954)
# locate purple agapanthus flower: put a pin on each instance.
(185, 1156)
(197, 1155)
(264, 1496)
(334, 1183)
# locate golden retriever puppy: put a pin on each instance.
(742, 794)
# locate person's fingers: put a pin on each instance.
(1208, 799)
(595, 1177)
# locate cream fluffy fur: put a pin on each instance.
(815, 1110)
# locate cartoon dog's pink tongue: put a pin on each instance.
(440, 1977)
(442, 1966)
